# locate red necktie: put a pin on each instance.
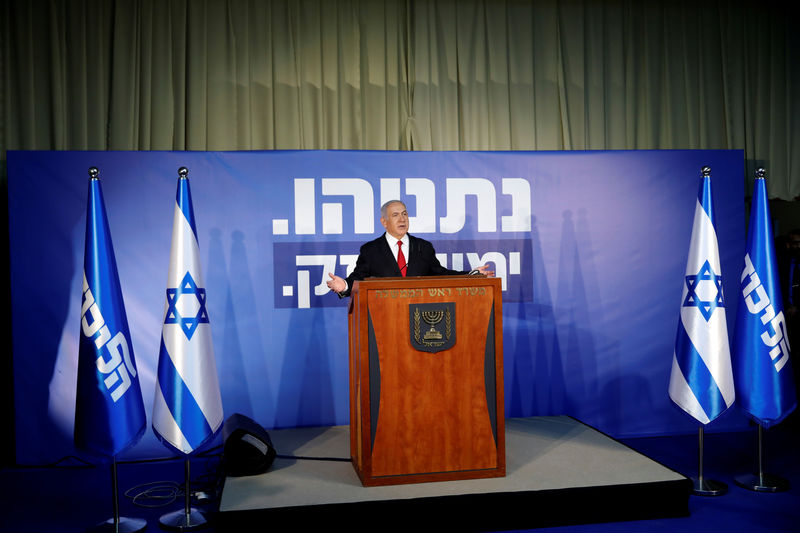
(401, 259)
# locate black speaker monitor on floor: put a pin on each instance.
(248, 449)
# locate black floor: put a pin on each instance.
(67, 499)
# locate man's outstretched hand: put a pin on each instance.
(485, 271)
(336, 284)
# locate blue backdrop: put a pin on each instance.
(591, 246)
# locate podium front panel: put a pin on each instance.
(426, 379)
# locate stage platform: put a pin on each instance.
(559, 471)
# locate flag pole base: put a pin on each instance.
(183, 521)
(762, 483)
(708, 487)
(125, 525)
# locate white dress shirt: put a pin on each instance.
(394, 248)
(393, 245)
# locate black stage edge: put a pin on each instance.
(522, 504)
(481, 512)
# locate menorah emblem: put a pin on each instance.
(440, 319)
(433, 318)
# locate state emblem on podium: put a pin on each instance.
(432, 327)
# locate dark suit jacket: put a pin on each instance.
(375, 260)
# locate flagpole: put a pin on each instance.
(187, 519)
(115, 491)
(188, 491)
(762, 482)
(763, 368)
(702, 486)
(115, 524)
(188, 407)
(701, 381)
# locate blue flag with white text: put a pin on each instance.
(701, 380)
(761, 362)
(109, 411)
(187, 409)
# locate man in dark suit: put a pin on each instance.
(395, 254)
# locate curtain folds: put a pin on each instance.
(404, 75)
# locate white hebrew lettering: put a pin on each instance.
(89, 305)
(101, 339)
(769, 313)
(748, 268)
(328, 263)
(89, 329)
(458, 261)
(425, 193)
(117, 393)
(120, 345)
(761, 303)
(280, 226)
(332, 219)
(305, 221)
(106, 367)
(499, 261)
(782, 348)
(457, 191)
(520, 218)
(120, 364)
(390, 189)
(303, 290)
(754, 284)
(778, 340)
(126, 355)
(112, 378)
(514, 263)
(350, 261)
(363, 202)
(778, 325)
(115, 367)
(88, 297)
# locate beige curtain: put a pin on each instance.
(404, 75)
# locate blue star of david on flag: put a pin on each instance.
(189, 288)
(706, 307)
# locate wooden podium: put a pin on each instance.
(426, 379)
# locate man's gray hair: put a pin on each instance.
(387, 204)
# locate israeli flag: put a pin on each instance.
(109, 411)
(701, 381)
(761, 362)
(187, 410)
